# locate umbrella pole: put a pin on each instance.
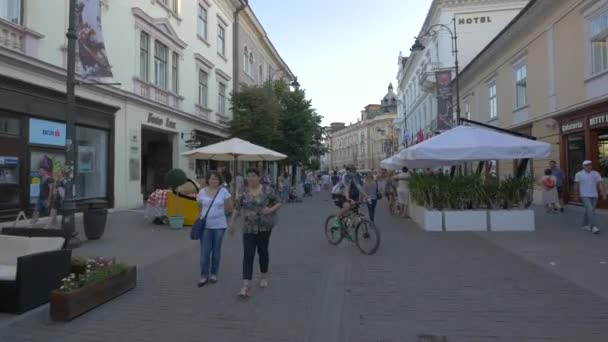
(235, 169)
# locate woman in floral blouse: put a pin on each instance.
(258, 205)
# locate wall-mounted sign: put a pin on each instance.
(572, 125)
(474, 20)
(158, 121)
(47, 132)
(598, 120)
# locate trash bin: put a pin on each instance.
(94, 219)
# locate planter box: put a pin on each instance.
(67, 306)
(466, 220)
(511, 220)
(428, 220)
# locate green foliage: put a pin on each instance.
(279, 118)
(97, 270)
(443, 192)
(313, 164)
(175, 178)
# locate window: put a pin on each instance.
(175, 6)
(246, 60)
(521, 86)
(261, 73)
(221, 40)
(221, 98)
(144, 56)
(160, 65)
(171, 4)
(203, 81)
(599, 48)
(92, 159)
(10, 10)
(492, 98)
(10, 126)
(270, 73)
(202, 21)
(251, 64)
(467, 110)
(175, 73)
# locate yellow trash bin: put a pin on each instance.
(179, 205)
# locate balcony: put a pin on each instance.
(18, 38)
(203, 113)
(157, 94)
(222, 119)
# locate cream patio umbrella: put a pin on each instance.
(235, 150)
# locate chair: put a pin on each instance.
(30, 268)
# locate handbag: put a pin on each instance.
(199, 225)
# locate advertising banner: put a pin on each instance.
(91, 47)
(445, 108)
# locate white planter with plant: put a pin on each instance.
(430, 220)
(466, 220)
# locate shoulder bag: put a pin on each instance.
(199, 225)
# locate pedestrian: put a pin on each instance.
(403, 190)
(240, 182)
(371, 188)
(284, 186)
(258, 205)
(390, 192)
(559, 176)
(213, 202)
(46, 188)
(550, 197)
(335, 179)
(588, 186)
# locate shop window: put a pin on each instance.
(10, 126)
(602, 156)
(92, 163)
(9, 180)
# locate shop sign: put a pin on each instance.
(474, 20)
(598, 120)
(47, 132)
(158, 121)
(572, 125)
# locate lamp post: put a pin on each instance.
(418, 46)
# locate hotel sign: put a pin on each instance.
(572, 125)
(598, 120)
(475, 20)
(158, 121)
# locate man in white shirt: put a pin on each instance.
(588, 185)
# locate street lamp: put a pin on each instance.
(418, 46)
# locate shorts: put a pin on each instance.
(403, 196)
(339, 200)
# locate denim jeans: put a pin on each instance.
(211, 250)
(251, 242)
(371, 208)
(285, 193)
(589, 216)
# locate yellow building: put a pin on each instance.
(546, 75)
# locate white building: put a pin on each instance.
(170, 65)
(477, 23)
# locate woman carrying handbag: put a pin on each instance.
(213, 202)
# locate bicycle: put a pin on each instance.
(364, 230)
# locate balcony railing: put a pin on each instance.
(18, 38)
(157, 94)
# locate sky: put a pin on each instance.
(344, 52)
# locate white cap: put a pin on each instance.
(587, 162)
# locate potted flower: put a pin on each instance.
(101, 280)
(174, 179)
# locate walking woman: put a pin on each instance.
(213, 201)
(258, 205)
(371, 188)
(403, 190)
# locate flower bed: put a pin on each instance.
(89, 286)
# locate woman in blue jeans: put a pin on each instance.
(215, 227)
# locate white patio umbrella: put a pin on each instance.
(391, 163)
(234, 149)
(464, 143)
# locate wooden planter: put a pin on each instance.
(67, 306)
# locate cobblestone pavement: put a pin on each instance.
(466, 286)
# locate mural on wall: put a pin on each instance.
(91, 47)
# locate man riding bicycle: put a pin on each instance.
(348, 191)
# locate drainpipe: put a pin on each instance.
(236, 51)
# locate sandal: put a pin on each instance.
(264, 283)
(244, 293)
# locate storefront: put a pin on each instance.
(32, 146)
(584, 135)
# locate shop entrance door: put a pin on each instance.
(157, 159)
(575, 155)
(602, 162)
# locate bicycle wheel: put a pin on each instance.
(367, 237)
(333, 230)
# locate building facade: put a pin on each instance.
(154, 80)
(258, 60)
(475, 23)
(367, 142)
(546, 75)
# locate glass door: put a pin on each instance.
(576, 156)
(602, 162)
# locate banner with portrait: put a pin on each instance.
(91, 48)
(445, 108)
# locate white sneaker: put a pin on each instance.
(587, 228)
(595, 230)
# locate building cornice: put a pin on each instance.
(55, 73)
(161, 27)
(204, 61)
